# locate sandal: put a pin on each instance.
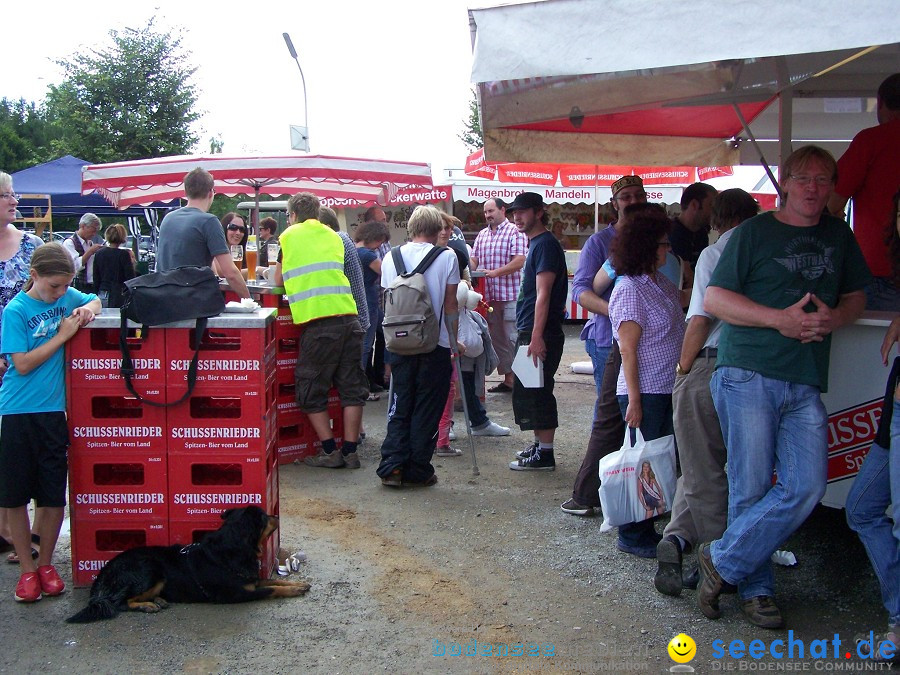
(501, 388)
(13, 559)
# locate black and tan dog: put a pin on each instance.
(222, 568)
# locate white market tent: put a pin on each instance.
(668, 83)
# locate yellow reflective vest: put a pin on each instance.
(312, 264)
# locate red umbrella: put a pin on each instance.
(354, 181)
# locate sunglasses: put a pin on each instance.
(237, 228)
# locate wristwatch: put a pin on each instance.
(679, 370)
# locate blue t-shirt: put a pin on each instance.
(371, 280)
(545, 254)
(27, 324)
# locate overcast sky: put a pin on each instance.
(386, 79)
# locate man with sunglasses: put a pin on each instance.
(192, 236)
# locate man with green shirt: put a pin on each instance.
(786, 280)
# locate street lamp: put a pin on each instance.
(299, 135)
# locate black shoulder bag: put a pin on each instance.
(180, 294)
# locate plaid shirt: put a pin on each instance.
(496, 249)
(657, 310)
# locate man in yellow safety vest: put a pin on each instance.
(313, 270)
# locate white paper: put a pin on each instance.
(531, 376)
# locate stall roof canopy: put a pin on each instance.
(61, 179)
(656, 82)
(343, 179)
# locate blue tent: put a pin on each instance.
(61, 179)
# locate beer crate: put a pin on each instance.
(106, 419)
(287, 351)
(229, 357)
(187, 532)
(232, 422)
(96, 542)
(93, 357)
(286, 401)
(297, 438)
(202, 486)
(115, 488)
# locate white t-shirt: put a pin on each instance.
(706, 263)
(443, 272)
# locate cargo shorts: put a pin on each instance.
(330, 356)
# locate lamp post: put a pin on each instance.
(301, 143)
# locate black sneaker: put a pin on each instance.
(668, 572)
(528, 452)
(536, 462)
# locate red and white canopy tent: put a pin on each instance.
(345, 180)
(683, 85)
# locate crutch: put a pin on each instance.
(454, 348)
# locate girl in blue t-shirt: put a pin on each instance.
(33, 433)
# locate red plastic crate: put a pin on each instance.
(203, 486)
(231, 423)
(105, 419)
(112, 488)
(186, 532)
(285, 399)
(96, 542)
(93, 357)
(229, 357)
(297, 439)
(287, 350)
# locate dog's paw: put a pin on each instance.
(162, 604)
(296, 589)
(146, 607)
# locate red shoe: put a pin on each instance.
(29, 588)
(51, 584)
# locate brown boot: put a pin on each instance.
(328, 460)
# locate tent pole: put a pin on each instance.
(759, 151)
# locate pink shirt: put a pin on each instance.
(495, 249)
(657, 310)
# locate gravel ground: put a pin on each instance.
(398, 577)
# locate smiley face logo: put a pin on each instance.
(682, 648)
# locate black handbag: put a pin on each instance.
(181, 294)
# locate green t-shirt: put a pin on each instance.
(775, 264)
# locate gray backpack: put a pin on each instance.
(410, 324)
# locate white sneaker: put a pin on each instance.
(491, 429)
(452, 434)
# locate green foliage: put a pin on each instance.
(472, 136)
(24, 135)
(132, 99)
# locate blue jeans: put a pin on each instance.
(477, 415)
(769, 426)
(598, 359)
(656, 423)
(870, 496)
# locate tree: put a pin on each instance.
(132, 99)
(472, 136)
(24, 135)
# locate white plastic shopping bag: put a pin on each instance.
(637, 481)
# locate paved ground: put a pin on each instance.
(402, 579)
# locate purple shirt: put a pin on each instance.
(593, 255)
(657, 310)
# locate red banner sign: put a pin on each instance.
(850, 433)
